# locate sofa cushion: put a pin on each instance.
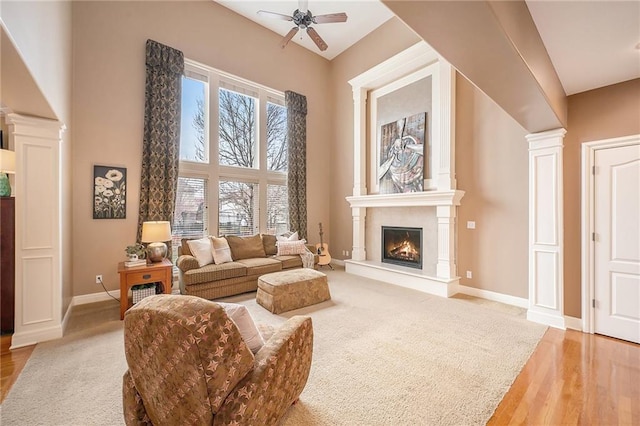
(220, 250)
(269, 244)
(289, 261)
(214, 272)
(201, 250)
(245, 247)
(184, 247)
(261, 265)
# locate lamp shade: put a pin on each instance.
(7, 161)
(156, 231)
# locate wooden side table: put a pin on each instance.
(147, 274)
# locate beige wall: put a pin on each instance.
(36, 39)
(609, 112)
(109, 77)
(492, 169)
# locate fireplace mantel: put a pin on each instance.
(443, 196)
(411, 199)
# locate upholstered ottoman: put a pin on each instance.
(287, 290)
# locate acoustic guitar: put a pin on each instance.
(323, 250)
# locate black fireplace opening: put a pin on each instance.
(402, 246)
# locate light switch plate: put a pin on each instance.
(471, 225)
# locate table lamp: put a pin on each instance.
(7, 165)
(154, 233)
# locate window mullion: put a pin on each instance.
(213, 166)
(262, 144)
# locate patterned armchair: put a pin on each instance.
(188, 365)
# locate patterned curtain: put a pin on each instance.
(297, 176)
(161, 143)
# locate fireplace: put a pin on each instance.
(402, 246)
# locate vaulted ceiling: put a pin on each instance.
(591, 43)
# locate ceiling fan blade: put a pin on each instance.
(303, 6)
(289, 36)
(275, 15)
(330, 18)
(317, 39)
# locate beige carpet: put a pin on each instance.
(383, 355)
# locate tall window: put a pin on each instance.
(233, 157)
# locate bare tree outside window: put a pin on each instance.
(237, 129)
(238, 208)
(276, 137)
(193, 125)
(277, 209)
(198, 125)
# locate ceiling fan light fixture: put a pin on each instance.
(303, 18)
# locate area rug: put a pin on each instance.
(383, 355)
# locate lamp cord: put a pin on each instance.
(105, 290)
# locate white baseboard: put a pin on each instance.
(492, 295)
(26, 338)
(551, 320)
(337, 262)
(573, 323)
(94, 297)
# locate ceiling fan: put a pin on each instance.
(303, 19)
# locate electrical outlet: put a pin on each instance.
(471, 225)
(347, 253)
(98, 279)
(469, 275)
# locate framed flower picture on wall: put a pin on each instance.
(109, 192)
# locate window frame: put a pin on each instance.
(214, 172)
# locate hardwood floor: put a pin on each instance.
(11, 363)
(574, 378)
(571, 378)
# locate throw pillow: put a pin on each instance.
(269, 244)
(246, 247)
(290, 248)
(247, 328)
(288, 237)
(220, 250)
(201, 250)
(185, 247)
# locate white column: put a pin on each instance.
(359, 141)
(546, 287)
(446, 267)
(358, 251)
(444, 113)
(38, 295)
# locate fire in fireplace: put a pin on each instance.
(402, 246)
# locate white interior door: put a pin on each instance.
(617, 242)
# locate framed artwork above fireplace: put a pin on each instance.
(400, 134)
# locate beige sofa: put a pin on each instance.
(252, 257)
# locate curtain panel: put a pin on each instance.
(161, 142)
(297, 175)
